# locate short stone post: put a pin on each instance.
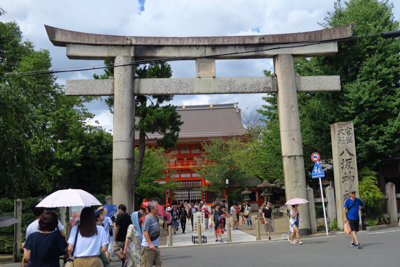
(63, 211)
(199, 232)
(330, 195)
(391, 202)
(229, 232)
(311, 207)
(170, 236)
(258, 234)
(19, 217)
(108, 200)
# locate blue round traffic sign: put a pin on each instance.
(315, 157)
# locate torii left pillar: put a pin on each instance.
(123, 133)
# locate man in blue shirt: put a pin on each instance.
(151, 236)
(353, 205)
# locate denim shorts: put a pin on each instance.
(295, 223)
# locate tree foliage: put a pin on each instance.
(152, 181)
(151, 117)
(370, 194)
(39, 125)
(369, 69)
(370, 78)
(223, 161)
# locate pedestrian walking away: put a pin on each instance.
(43, 247)
(87, 240)
(175, 219)
(206, 215)
(99, 220)
(192, 210)
(269, 219)
(151, 237)
(353, 205)
(218, 222)
(247, 215)
(133, 242)
(121, 227)
(294, 222)
(234, 217)
(183, 216)
(107, 224)
(241, 212)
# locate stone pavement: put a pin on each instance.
(244, 234)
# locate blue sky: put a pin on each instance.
(168, 18)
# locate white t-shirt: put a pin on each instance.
(233, 210)
(88, 246)
(34, 227)
(293, 220)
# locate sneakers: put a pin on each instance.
(301, 243)
(357, 245)
(216, 240)
(352, 244)
(125, 263)
(220, 240)
(269, 238)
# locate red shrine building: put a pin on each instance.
(200, 124)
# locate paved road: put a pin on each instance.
(379, 249)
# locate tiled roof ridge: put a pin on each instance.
(207, 106)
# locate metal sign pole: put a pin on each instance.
(323, 206)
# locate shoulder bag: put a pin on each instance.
(70, 261)
(346, 226)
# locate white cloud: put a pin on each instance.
(168, 18)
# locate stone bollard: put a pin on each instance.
(229, 232)
(108, 200)
(170, 236)
(391, 202)
(63, 217)
(330, 195)
(258, 234)
(199, 233)
(311, 205)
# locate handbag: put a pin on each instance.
(262, 221)
(70, 261)
(246, 212)
(346, 228)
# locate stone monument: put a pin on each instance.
(124, 50)
(344, 165)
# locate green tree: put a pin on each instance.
(221, 163)
(151, 116)
(269, 151)
(370, 194)
(37, 119)
(370, 78)
(153, 180)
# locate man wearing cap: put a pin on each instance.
(218, 222)
(353, 205)
(192, 210)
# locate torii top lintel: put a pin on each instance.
(100, 46)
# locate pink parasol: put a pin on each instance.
(225, 215)
(161, 210)
(295, 201)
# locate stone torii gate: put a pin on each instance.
(124, 50)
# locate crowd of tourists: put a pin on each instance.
(94, 239)
(134, 239)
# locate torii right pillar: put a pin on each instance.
(290, 133)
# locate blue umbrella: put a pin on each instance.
(111, 210)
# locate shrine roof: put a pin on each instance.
(207, 121)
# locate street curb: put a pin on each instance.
(242, 242)
(380, 227)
